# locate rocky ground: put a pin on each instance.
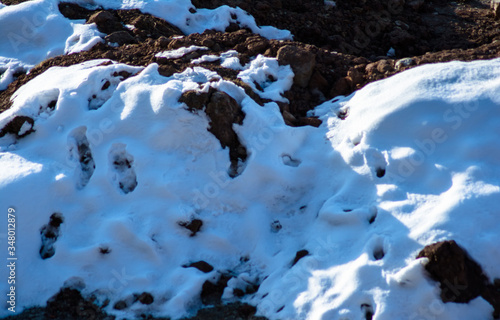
(337, 49)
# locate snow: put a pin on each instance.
(228, 59)
(433, 129)
(179, 53)
(35, 30)
(414, 162)
(273, 79)
(84, 37)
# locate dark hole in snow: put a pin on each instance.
(378, 253)
(244, 259)
(343, 114)
(194, 226)
(106, 85)
(271, 78)
(211, 293)
(280, 309)
(368, 310)
(192, 10)
(372, 219)
(104, 250)
(234, 16)
(52, 105)
(299, 255)
(120, 305)
(347, 210)
(276, 226)
(200, 265)
(380, 172)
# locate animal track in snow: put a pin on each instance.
(122, 168)
(80, 153)
(49, 234)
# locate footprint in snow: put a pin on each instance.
(122, 168)
(80, 153)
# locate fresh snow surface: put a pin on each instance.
(433, 130)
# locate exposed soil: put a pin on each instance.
(461, 278)
(337, 50)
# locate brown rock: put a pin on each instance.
(461, 278)
(371, 68)
(384, 66)
(301, 60)
(106, 22)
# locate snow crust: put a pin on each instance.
(414, 162)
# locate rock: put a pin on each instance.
(19, 126)
(310, 121)
(120, 37)
(201, 265)
(354, 77)
(162, 42)
(146, 298)
(106, 22)
(299, 255)
(405, 62)
(120, 305)
(223, 111)
(461, 278)
(495, 5)
(384, 66)
(302, 62)
(194, 226)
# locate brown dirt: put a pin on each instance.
(371, 28)
(460, 277)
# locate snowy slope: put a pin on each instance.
(430, 133)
